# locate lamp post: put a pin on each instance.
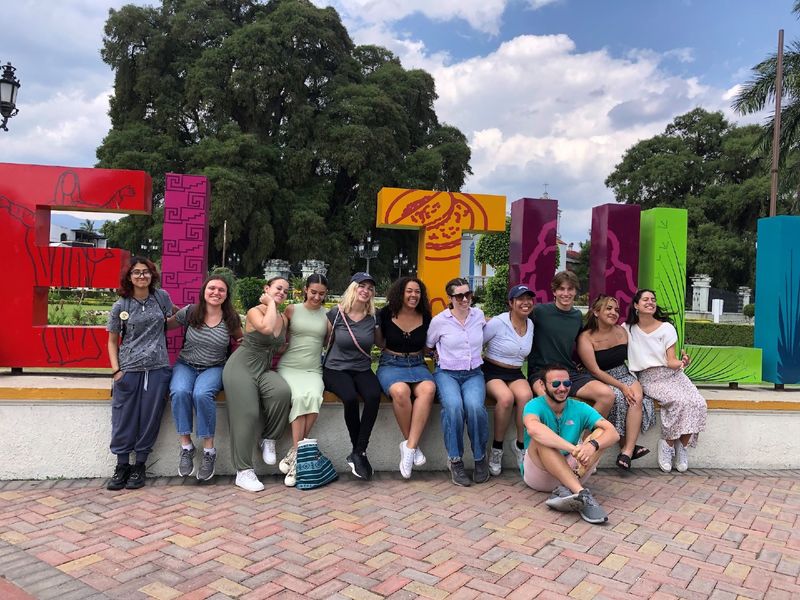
(367, 249)
(9, 86)
(149, 246)
(400, 262)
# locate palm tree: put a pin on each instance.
(88, 226)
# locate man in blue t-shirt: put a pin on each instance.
(555, 457)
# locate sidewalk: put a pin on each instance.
(703, 534)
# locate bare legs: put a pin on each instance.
(412, 416)
(508, 397)
(301, 427)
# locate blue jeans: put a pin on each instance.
(192, 388)
(462, 395)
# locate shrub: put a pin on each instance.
(496, 292)
(248, 291)
(703, 333)
(749, 310)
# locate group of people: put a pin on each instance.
(565, 411)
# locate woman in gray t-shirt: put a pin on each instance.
(197, 375)
(347, 370)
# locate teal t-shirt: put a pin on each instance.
(575, 417)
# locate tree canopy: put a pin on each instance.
(295, 126)
(714, 170)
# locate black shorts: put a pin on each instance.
(507, 374)
(578, 379)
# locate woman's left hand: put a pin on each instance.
(685, 360)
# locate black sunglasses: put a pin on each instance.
(557, 383)
(460, 297)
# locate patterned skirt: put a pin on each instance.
(619, 412)
(683, 409)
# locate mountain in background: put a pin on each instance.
(70, 222)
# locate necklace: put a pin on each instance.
(141, 303)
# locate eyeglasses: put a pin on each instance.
(461, 297)
(141, 273)
(557, 383)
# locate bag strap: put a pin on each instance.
(330, 339)
(350, 331)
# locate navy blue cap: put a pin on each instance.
(361, 277)
(519, 290)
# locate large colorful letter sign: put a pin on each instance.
(27, 195)
(443, 217)
(184, 260)
(778, 297)
(532, 249)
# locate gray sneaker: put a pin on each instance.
(206, 470)
(457, 473)
(186, 463)
(563, 500)
(590, 510)
(481, 472)
(495, 461)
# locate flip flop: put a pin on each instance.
(624, 461)
(639, 452)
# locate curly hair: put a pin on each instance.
(197, 318)
(394, 297)
(125, 289)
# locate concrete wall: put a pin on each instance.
(55, 439)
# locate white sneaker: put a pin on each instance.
(406, 460)
(287, 461)
(495, 461)
(520, 452)
(419, 458)
(291, 477)
(681, 457)
(247, 480)
(268, 451)
(665, 455)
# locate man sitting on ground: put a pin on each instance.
(557, 325)
(555, 458)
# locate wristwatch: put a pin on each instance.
(595, 444)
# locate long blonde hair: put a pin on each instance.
(349, 298)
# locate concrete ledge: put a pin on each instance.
(59, 427)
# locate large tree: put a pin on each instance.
(296, 127)
(713, 169)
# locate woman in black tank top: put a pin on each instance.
(603, 350)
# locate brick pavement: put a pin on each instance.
(704, 534)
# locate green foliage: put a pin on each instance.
(749, 310)
(70, 314)
(711, 168)
(492, 248)
(704, 333)
(248, 291)
(295, 126)
(496, 292)
(581, 268)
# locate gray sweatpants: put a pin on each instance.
(137, 403)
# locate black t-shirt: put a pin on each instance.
(398, 340)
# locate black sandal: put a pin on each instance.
(624, 461)
(639, 452)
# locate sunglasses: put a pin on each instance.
(557, 383)
(460, 297)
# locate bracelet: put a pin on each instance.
(595, 444)
(115, 372)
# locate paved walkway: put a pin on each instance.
(704, 534)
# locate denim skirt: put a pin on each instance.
(408, 369)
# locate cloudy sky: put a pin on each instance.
(546, 91)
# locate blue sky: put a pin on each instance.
(546, 91)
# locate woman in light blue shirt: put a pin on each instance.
(508, 338)
(457, 335)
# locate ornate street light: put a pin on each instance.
(367, 249)
(400, 262)
(9, 86)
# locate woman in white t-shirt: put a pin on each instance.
(651, 355)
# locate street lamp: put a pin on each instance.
(400, 262)
(367, 249)
(9, 86)
(149, 246)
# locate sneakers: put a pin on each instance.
(359, 465)
(287, 461)
(247, 480)
(563, 500)
(495, 461)
(681, 457)
(419, 458)
(268, 451)
(291, 477)
(206, 470)
(186, 463)
(481, 472)
(520, 453)
(406, 460)
(136, 478)
(119, 478)
(665, 455)
(590, 510)
(457, 473)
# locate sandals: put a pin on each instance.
(624, 461)
(639, 452)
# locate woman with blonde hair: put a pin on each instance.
(347, 368)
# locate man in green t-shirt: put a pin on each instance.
(555, 457)
(556, 328)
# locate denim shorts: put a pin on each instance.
(408, 369)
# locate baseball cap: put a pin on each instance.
(361, 277)
(519, 290)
